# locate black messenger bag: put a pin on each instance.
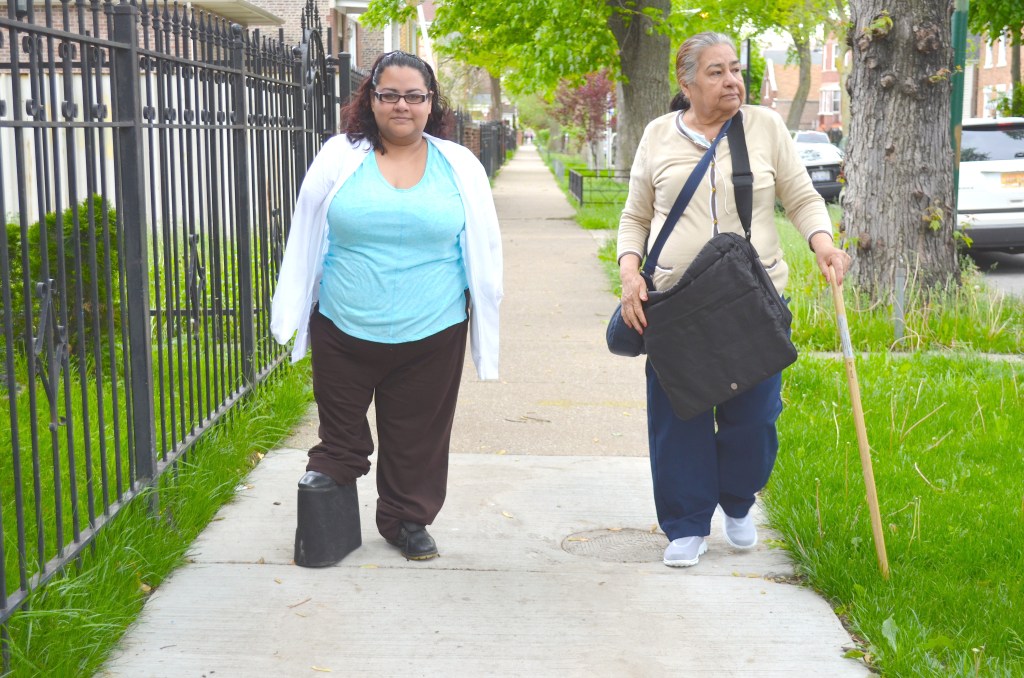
(722, 328)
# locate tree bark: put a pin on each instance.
(496, 106)
(1015, 70)
(898, 204)
(645, 55)
(796, 110)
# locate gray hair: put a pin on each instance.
(689, 53)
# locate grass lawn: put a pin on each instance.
(69, 626)
(943, 409)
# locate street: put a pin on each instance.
(1003, 271)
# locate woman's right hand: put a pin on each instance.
(634, 292)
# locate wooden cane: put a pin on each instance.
(858, 420)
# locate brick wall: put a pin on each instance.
(471, 139)
(993, 76)
(371, 46)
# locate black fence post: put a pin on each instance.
(344, 78)
(302, 159)
(131, 213)
(242, 199)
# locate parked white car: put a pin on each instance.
(808, 136)
(990, 200)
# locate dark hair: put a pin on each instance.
(358, 114)
(679, 102)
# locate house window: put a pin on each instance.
(830, 100)
(988, 55)
(833, 51)
(1001, 61)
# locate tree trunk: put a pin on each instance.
(1014, 58)
(843, 37)
(898, 204)
(496, 108)
(645, 56)
(1016, 95)
(796, 110)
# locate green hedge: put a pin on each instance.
(91, 269)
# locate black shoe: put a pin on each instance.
(415, 542)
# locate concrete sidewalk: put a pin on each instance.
(551, 558)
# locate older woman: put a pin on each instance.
(725, 455)
(394, 254)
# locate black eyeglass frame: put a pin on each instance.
(396, 96)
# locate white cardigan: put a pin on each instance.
(298, 283)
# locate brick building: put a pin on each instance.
(987, 76)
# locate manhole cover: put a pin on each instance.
(625, 545)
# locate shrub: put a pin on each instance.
(89, 270)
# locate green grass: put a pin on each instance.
(69, 627)
(948, 458)
(943, 422)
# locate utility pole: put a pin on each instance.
(957, 103)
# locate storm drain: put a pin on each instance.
(626, 545)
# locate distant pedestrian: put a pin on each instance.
(394, 255)
(725, 455)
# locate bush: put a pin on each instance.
(90, 269)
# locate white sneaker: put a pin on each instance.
(741, 532)
(685, 552)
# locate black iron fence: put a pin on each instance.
(151, 159)
(599, 186)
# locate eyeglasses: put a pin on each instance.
(393, 97)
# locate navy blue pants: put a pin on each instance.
(696, 467)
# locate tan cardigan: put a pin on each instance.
(665, 158)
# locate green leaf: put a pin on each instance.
(889, 630)
(939, 643)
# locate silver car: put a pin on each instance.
(824, 162)
(990, 200)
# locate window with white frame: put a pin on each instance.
(830, 99)
(988, 55)
(1001, 60)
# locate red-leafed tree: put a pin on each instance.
(586, 111)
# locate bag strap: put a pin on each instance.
(742, 178)
(682, 201)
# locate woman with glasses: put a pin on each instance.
(394, 255)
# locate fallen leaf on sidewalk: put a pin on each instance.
(320, 669)
(502, 451)
(577, 539)
(507, 514)
(301, 602)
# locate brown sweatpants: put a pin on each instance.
(414, 387)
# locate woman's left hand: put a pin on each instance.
(828, 254)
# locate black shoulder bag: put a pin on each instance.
(722, 328)
(623, 339)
